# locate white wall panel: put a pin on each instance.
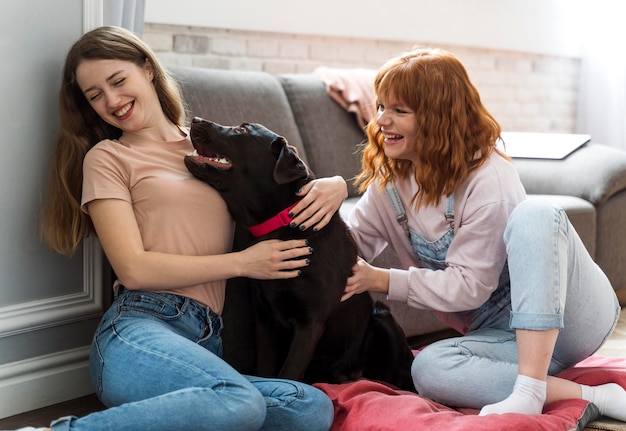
(49, 304)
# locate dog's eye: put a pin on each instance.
(243, 130)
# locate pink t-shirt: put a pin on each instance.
(476, 256)
(175, 212)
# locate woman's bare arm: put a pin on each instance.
(117, 231)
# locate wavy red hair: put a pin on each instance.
(456, 133)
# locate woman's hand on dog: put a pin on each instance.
(366, 277)
(322, 198)
(274, 259)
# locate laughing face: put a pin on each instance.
(399, 127)
(120, 92)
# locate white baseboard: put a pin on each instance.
(40, 382)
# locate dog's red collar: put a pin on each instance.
(279, 220)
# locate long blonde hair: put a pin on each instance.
(63, 224)
(456, 133)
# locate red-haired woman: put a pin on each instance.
(509, 273)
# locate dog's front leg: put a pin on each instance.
(301, 350)
(267, 345)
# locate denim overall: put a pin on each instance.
(432, 255)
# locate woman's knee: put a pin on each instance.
(428, 371)
(532, 216)
(247, 407)
(467, 371)
(295, 405)
(319, 412)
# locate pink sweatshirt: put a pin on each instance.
(476, 255)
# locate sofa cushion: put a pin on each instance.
(231, 97)
(594, 172)
(330, 134)
(610, 250)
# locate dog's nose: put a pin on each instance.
(196, 120)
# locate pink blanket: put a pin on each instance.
(365, 405)
(353, 89)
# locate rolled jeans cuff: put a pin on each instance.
(536, 321)
(62, 424)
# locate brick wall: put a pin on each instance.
(524, 91)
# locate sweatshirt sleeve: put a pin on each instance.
(476, 255)
(366, 222)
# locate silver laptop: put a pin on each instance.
(530, 145)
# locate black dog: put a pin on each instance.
(304, 331)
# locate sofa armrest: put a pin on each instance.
(594, 172)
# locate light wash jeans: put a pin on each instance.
(554, 284)
(155, 362)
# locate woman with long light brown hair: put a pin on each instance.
(118, 172)
(509, 273)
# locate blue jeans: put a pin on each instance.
(554, 283)
(156, 363)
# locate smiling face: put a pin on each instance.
(120, 92)
(399, 127)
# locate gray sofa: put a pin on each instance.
(590, 183)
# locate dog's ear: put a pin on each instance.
(289, 167)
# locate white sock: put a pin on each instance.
(609, 398)
(528, 397)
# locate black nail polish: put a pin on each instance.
(299, 272)
(292, 224)
(315, 229)
(290, 215)
(306, 242)
(302, 227)
(299, 191)
(311, 249)
(308, 261)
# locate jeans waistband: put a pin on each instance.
(184, 303)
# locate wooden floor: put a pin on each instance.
(43, 417)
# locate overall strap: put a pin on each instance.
(449, 214)
(398, 208)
